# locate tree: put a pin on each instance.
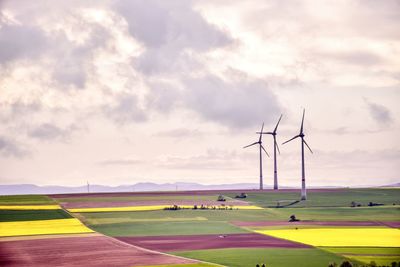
(346, 264)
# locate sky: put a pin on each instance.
(120, 92)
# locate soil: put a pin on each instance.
(80, 251)
(196, 242)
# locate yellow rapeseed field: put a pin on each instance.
(43, 227)
(340, 237)
(29, 207)
(150, 208)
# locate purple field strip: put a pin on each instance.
(187, 193)
(80, 251)
(198, 242)
(335, 223)
(105, 204)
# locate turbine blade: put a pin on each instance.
(264, 150)
(308, 146)
(276, 127)
(263, 132)
(255, 143)
(262, 128)
(302, 122)
(277, 147)
(290, 139)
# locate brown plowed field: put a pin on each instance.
(80, 251)
(96, 204)
(337, 223)
(195, 242)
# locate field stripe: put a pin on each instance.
(42, 227)
(153, 208)
(30, 207)
(340, 237)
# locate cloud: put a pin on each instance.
(9, 147)
(168, 30)
(20, 41)
(379, 113)
(235, 103)
(48, 132)
(126, 109)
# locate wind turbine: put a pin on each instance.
(303, 173)
(273, 133)
(259, 142)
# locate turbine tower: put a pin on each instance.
(276, 147)
(259, 142)
(303, 173)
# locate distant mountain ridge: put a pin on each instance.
(17, 189)
(20, 189)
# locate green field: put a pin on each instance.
(382, 213)
(166, 228)
(382, 256)
(212, 215)
(330, 206)
(32, 215)
(26, 200)
(337, 198)
(271, 257)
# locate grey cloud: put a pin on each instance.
(125, 110)
(20, 41)
(167, 29)
(29, 41)
(162, 97)
(379, 113)
(9, 147)
(236, 104)
(48, 132)
(363, 58)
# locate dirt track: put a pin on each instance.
(195, 242)
(79, 251)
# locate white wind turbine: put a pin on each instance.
(259, 142)
(273, 133)
(303, 172)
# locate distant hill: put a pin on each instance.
(17, 189)
(392, 185)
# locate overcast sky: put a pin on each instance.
(120, 92)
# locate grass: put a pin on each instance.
(335, 198)
(340, 237)
(270, 256)
(381, 213)
(166, 228)
(201, 264)
(26, 200)
(43, 227)
(32, 215)
(382, 256)
(29, 207)
(211, 215)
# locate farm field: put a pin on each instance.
(121, 225)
